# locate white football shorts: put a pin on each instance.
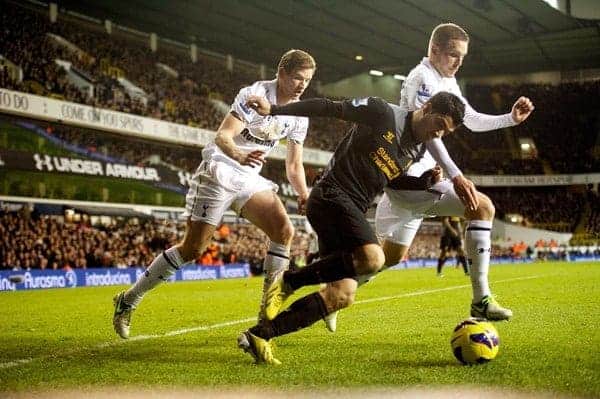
(400, 212)
(216, 187)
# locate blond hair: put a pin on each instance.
(443, 34)
(294, 59)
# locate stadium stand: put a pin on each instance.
(183, 92)
(34, 241)
(172, 88)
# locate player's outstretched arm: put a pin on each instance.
(478, 122)
(365, 110)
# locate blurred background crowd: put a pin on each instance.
(172, 88)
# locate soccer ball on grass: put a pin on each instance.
(475, 341)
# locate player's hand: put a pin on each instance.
(465, 189)
(252, 159)
(521, 109)
(302, 200)
(437, 174)
(260, 104)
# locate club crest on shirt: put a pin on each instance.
(424, 91)
(244, 108)
(389, 136)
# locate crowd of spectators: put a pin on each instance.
(564, 125)
(102, 59)
(554, 208)
(29, 240)
(565, 116)
(593, 223)
(32, 241)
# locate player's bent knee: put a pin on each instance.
(287, 232)
(282, 231)
(189, 253)
(368, 259)
(393, 253)
(345, 300)
(337, 298)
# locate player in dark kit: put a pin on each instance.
(452, 241)
(375, 153)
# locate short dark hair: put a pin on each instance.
(445, 103)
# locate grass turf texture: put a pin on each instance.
(397, 334)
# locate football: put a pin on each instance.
(475, 341)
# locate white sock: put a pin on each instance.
(161, 268)
(479, 248)
(278, 257)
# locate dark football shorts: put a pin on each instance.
(450, 242)
(339, 223)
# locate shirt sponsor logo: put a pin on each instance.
(249, 137)
(385, 163)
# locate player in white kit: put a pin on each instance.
(228, 177)
(399, 213)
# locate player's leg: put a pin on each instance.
(196, 239)
(478, 249)
(443, 255)
(303, 313)
(205, 205)
(461, 257)
(396, 229)
(348, 244)
(265, 210)
(393, 254)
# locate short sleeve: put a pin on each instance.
(298, 134)
(239, 107)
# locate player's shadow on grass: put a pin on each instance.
(394, 359)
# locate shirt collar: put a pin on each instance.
(425, 61)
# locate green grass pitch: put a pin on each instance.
(396, 335)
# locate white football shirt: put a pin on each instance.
(262, 133)
(421, 84)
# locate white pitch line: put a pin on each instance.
(454, 287)
(19, 362)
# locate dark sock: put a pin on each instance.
(441, 262)
(302, 313)
(463, 261)
(325, 270)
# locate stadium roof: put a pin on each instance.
(507, 36)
